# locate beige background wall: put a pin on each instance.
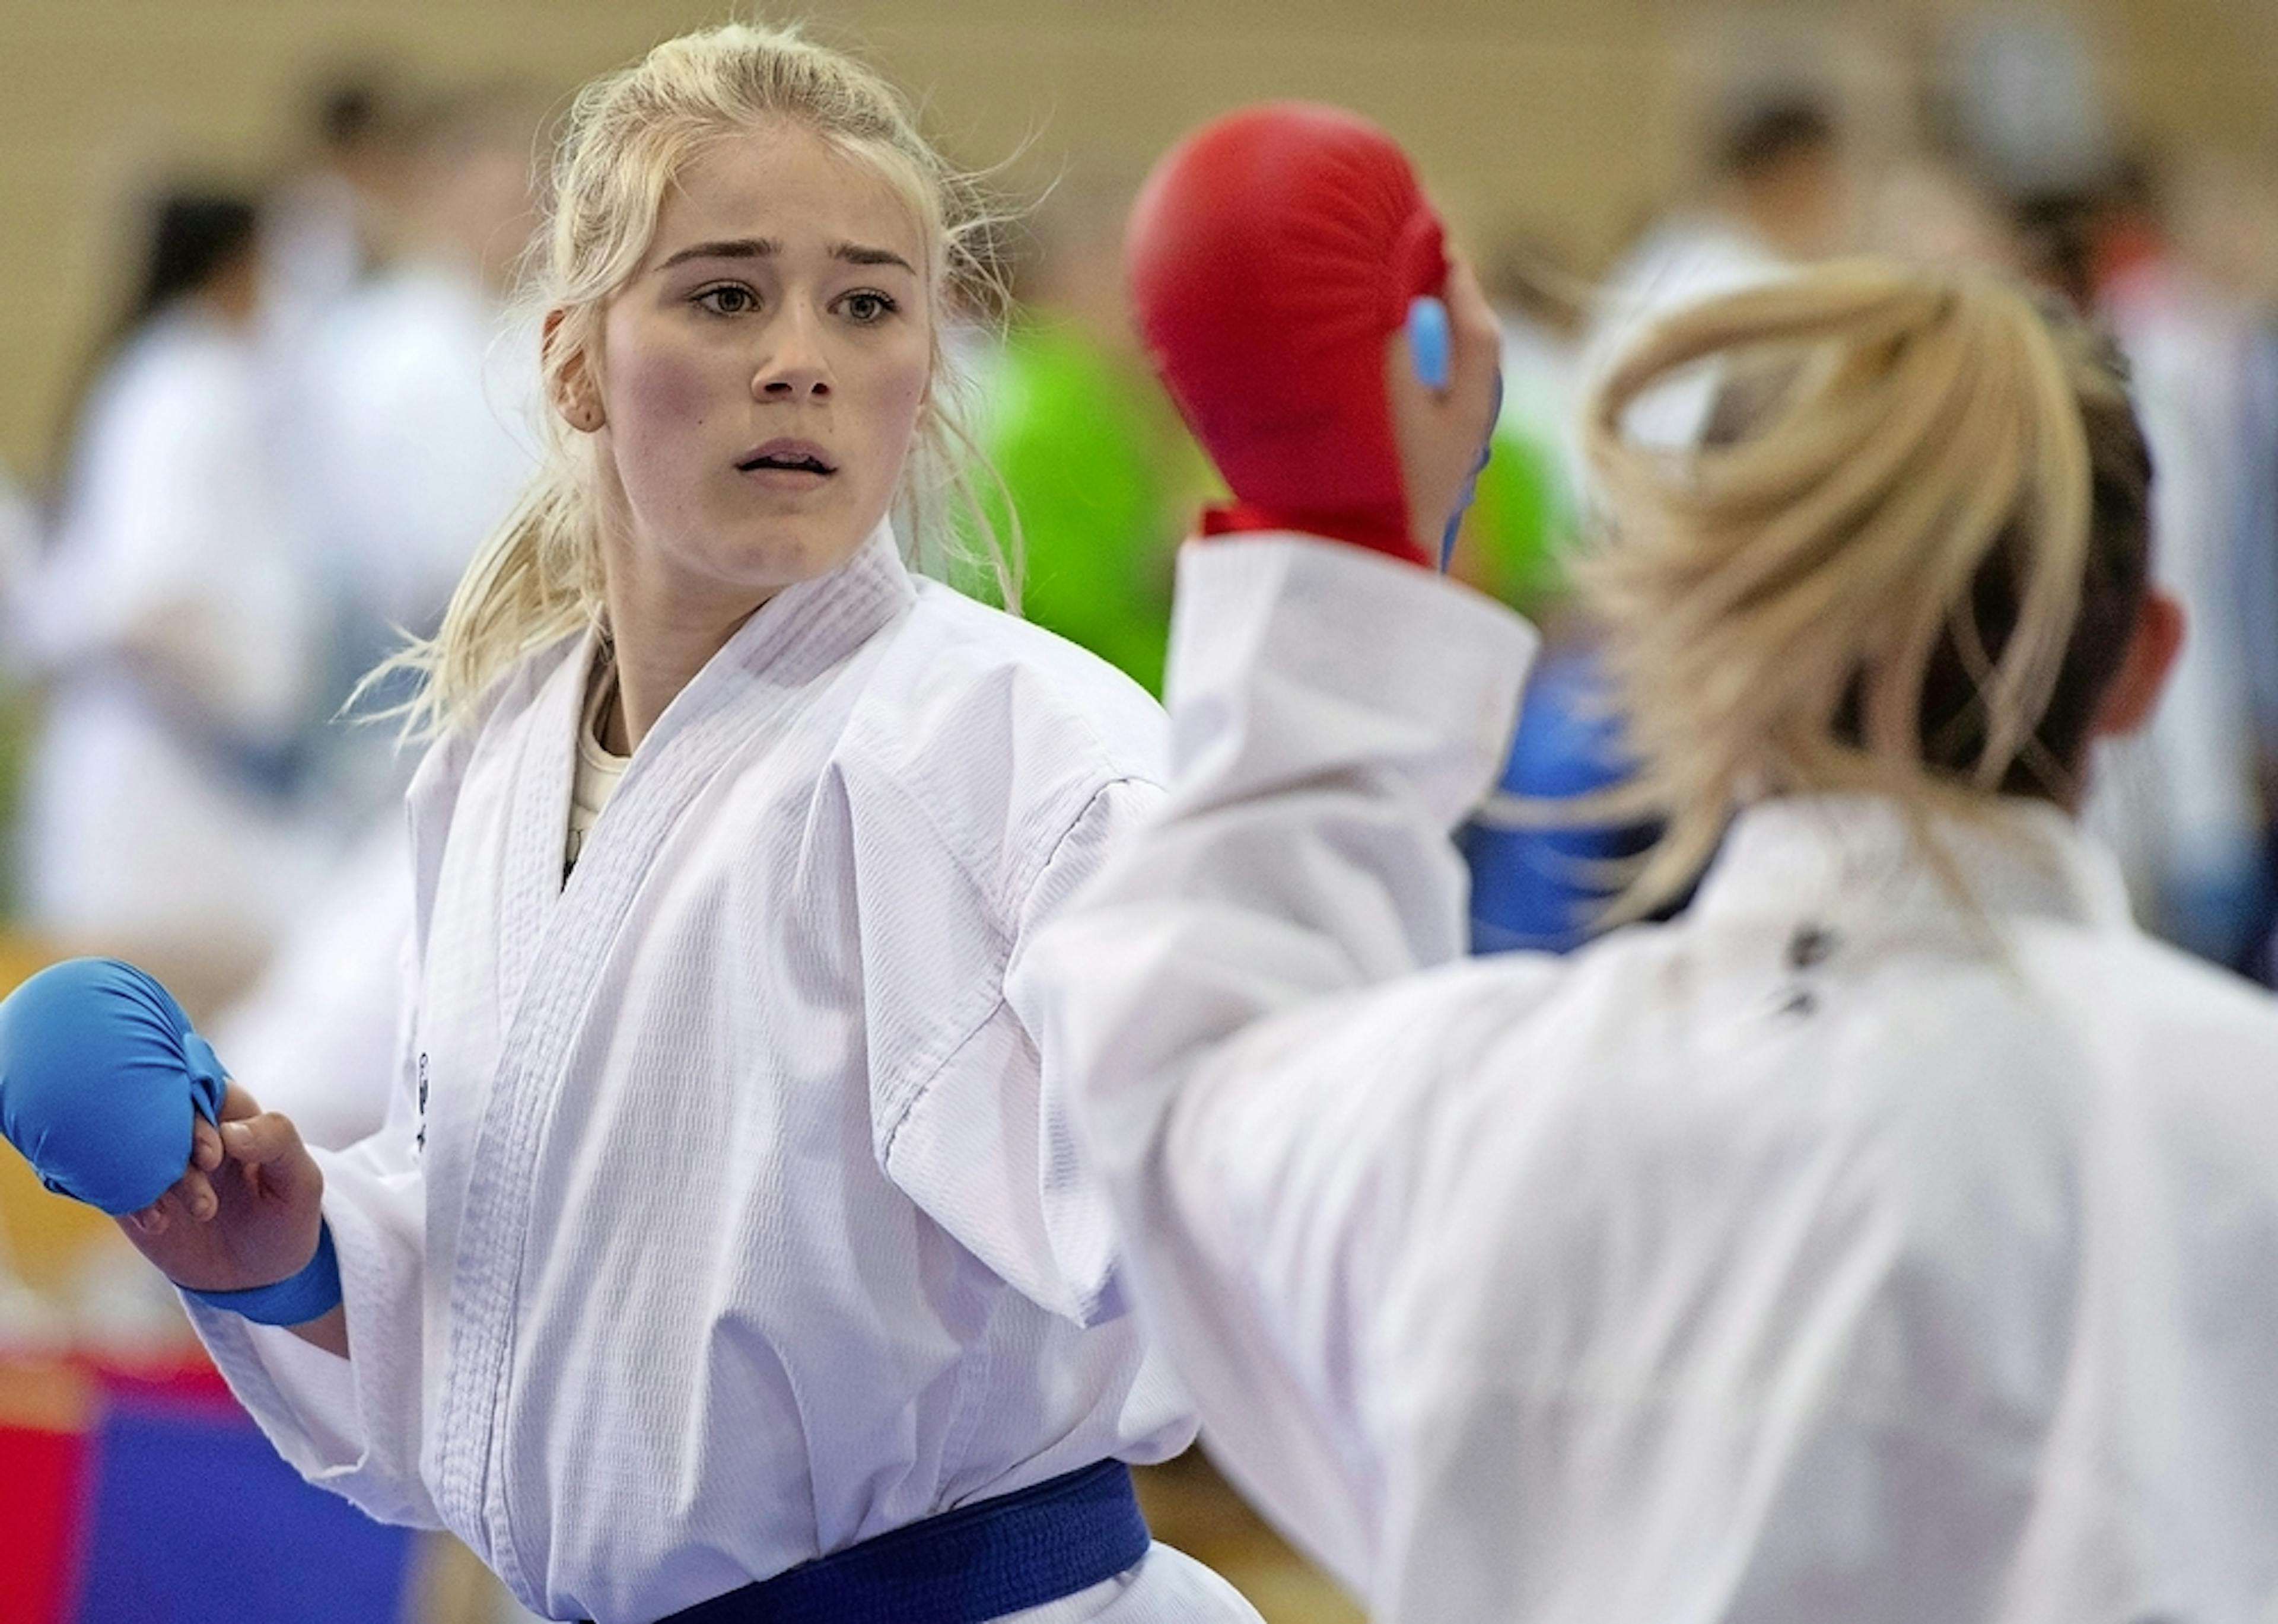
(1565, 116)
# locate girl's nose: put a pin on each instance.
(795, 367)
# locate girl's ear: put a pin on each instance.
(2152, 649)
(570, 383)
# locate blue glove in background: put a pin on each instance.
(1543, 889)
(99, 1075)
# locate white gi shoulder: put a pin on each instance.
(999, 735)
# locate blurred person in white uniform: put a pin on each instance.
(2189, 805)
(2182, 804)
(1778, 194)
(416, 418)
(168, 618)
(1888, 1239)
(324, 227)
(2186, 305)
(725, 1252)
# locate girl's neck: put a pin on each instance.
(657, 648)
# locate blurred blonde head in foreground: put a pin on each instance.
(1909, 557)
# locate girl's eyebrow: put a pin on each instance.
(740, 247)
(767, 248)
(855, 254)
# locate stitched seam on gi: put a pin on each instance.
(901, 1090)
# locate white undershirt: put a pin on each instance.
(598, 770)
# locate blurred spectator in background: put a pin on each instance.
(322, 225)
(169, 620)
(1778, 194)
(2185, 797)
(2223, 218)
(413, 433)
(2258, 537)
(1934, 213)
(2183, 803)
(1091, 454)
(1523, 516)
(2017, 95)
(415, 440)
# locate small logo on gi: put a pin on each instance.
(423, 1100)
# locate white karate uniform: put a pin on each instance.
(1831, 1253)
(726, 1213)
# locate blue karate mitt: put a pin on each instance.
(99, 1075)
(1542, 888)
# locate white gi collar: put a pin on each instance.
(1861, 857)
(734, 705)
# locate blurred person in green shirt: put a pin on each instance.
(1522, 520)
(1091, 454)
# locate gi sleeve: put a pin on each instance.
(988, 1147)
(1334, 715)
(351, 1425)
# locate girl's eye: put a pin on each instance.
(728, 299)
(866, 308)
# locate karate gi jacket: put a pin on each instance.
(1838, 1251)
(728, 1213)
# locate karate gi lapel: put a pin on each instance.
(556, 941)
(546, 759)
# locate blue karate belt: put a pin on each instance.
(978, 1562)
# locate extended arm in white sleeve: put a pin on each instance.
(351, 1425)
(1334, 715)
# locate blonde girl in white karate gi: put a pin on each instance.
(1891, 1238)
(724, 1254)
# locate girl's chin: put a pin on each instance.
(783, 555)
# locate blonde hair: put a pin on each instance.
(1873, 577)
(628, 133)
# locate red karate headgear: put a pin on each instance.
(1270, 255)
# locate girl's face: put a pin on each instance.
(760, 374)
